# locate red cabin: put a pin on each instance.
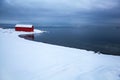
(22, 27)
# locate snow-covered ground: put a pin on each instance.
(22, 59)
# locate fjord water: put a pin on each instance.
(99, 39)
(104, 39)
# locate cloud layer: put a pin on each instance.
(62, 12)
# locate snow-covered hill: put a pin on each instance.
(22, 59)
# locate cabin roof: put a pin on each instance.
(23, 25)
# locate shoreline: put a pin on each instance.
(22, 59)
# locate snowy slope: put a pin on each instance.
(22, 59)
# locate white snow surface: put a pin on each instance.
(22, 59)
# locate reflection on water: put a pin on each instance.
(27, 36)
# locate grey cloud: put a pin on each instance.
(62, 14)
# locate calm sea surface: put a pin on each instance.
(99, 39)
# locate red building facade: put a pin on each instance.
(26, 28)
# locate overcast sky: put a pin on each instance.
(60, 12)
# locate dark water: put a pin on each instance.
(5, 26)
(99, 39)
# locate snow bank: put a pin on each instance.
(22, 59)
